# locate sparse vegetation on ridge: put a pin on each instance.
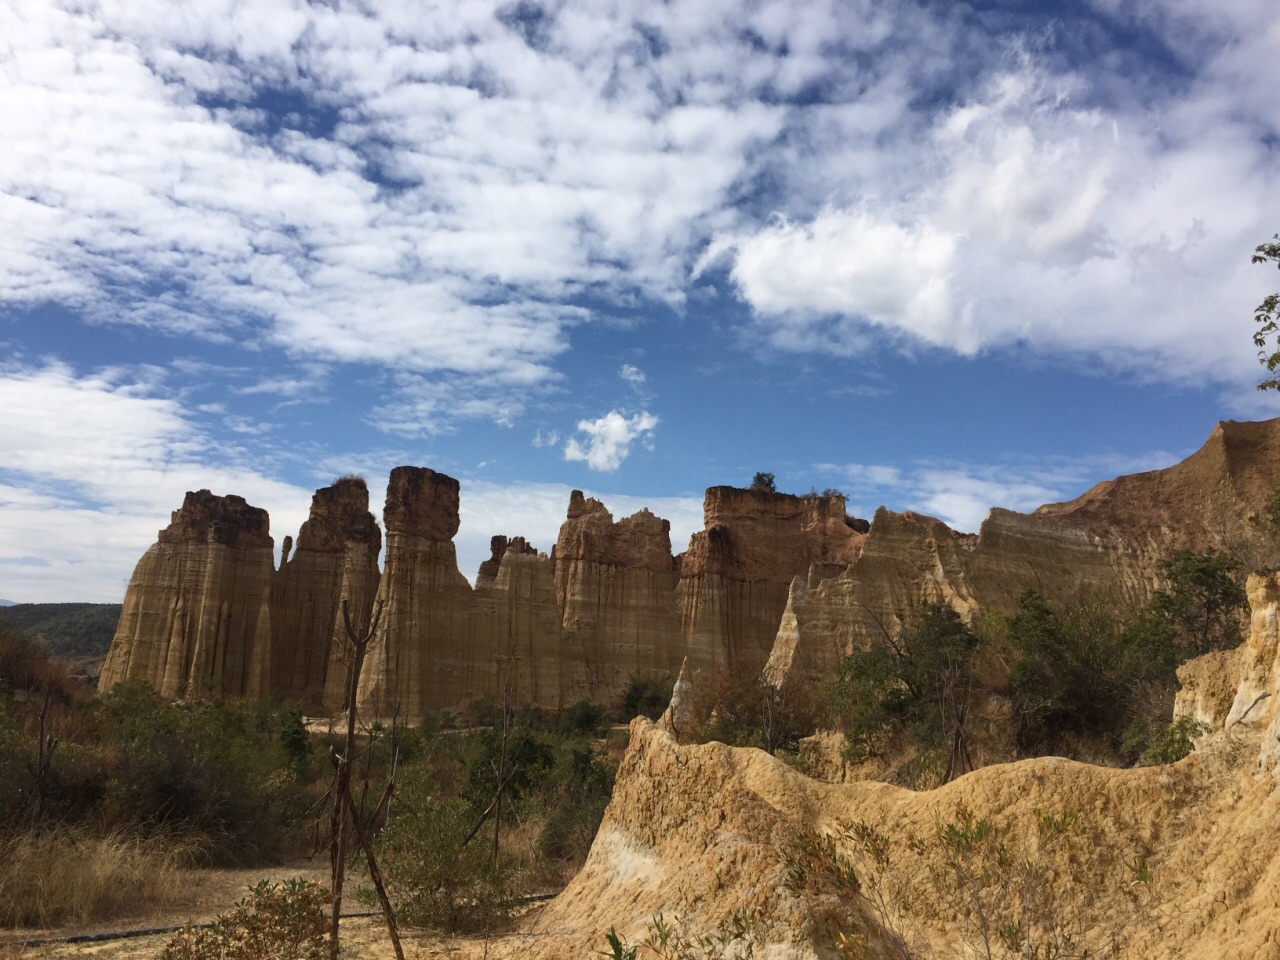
(1081, 680)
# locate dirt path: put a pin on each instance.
(207, 893)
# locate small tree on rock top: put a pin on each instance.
(764, 483)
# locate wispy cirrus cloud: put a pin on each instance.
(95, 463)
(961, 494)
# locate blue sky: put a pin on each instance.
(940, 256)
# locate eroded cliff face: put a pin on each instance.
(702, 831)
(1106, 544)
(424, 654)
(208, 612)
(196, 615)
(735, 576)
(336, 558)
(1238, 690)
(791, 580)
(615, 587)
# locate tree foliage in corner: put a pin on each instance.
(1267, 315)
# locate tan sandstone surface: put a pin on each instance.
(791, 582)
(700, 832)
(197, 616)
(735, 576)
(1105, 544)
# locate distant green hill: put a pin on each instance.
(66, 629)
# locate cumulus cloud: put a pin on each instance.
(606, 441)
(1041, 209)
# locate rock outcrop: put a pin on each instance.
(196, 615)
(701, 832)
(789, 583)
(615, 586)
(1239, 690)
(424, 654)
(336, 558)
(1106, 544)
(207, 611)
(735, 576)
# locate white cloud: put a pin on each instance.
(961, 494)
(420, 406)
(461, 189)
(470, 186)
(633, 375)
(548, 439)
(1037, 211)
(607, 440)
(94, 465)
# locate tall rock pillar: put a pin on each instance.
(425, 654)
(615, 585)
(196, 614)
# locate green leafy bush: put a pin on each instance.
(646, 696)
(915, 685)
(203, 767)
(1174, 742)
(274, 922)
(433, 880)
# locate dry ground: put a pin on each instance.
(208, 893)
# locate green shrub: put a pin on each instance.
(432, 879)
(1068, 677)
(915, 685)
(275, 922)
(1174, 742)
(202, 767)
(573, 801)
(646, 696)
(1203, 602)
(581, 717)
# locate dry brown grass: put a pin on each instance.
(57, 877)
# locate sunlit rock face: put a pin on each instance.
(615, 588)
(336, 558)
(1239, 689)
(735, 576)
(789, 583)
(1104, 545)
(196, 616)
(425, 653)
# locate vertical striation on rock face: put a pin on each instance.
(425, 654)
(197, 608)
(735, 576)
(1257, 699)
(1105, 544)
(615, 589)
(336, 558)
(519, 621)
(791, 580)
